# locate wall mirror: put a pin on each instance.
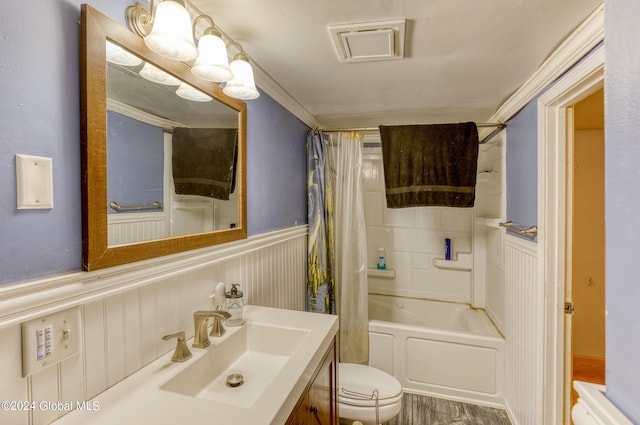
(163, 165)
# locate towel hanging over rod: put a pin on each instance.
(498, 127)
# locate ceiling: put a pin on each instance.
(462, 58)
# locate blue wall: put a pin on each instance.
(622, 197)
(276, 167)
(522, 167)
(40, 115)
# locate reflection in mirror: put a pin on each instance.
(162, 172)
(171, 155)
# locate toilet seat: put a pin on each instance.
(357, 384)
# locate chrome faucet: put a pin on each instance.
(200, 320)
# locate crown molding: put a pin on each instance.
(271, 87)
(580, 43)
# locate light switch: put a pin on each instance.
(34, 180)
(48, 340)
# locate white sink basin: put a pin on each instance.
(257, 352)
(275, 350)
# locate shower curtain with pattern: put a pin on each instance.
(337, 265)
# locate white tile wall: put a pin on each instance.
(122, 331)
(488, 240)
(413, 238)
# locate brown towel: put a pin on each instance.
(204, 160)
(430, 165)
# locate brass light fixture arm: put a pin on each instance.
(241, 55)
(140, 19)
(211, 30)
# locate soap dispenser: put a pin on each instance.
(234, 305)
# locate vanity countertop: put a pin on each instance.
(139, 399)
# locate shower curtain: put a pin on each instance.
(335, 177)
(320, 254)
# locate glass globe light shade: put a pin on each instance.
(242, 85)
(212, 63)
(171, 35)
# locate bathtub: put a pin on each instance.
(440, 349)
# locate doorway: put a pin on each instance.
(585, 282)
(555, 143)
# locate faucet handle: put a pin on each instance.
(182, 352)
(217, 329)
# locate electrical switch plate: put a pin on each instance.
(34, 180)
(48, 340)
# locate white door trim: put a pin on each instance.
(581, 81)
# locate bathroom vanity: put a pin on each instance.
(318, 404)
(287, 359)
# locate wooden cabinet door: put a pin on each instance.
(322, 393)
(318, 405)
(301, 415)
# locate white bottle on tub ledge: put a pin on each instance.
(382, 259)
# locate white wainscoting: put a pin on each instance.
(135, 227)
(126, 311)
(524, 332)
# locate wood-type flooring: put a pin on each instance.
(421, 410)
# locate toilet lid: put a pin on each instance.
(357, 383)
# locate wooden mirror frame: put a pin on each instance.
(96, 29)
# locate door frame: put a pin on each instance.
(553, 149)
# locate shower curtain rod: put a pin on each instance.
(498, 127)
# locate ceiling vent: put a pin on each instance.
(369, 41)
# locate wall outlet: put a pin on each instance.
(48, 340)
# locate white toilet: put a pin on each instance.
(357, 384)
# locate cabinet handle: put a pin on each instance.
(314, 410)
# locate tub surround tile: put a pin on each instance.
(457, 219)
(415, 232)
(421, 261)
(374, 208)
(445, 285)
(428, 218)
(399, 217)
(372, 174)
(412, 239)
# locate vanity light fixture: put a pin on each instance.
(242, 86)
(212, 63)
(188, 92)
(166, 30)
